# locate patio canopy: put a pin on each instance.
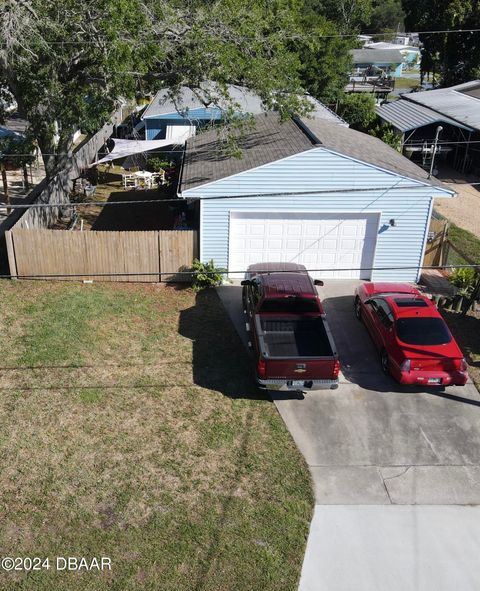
(124, 148)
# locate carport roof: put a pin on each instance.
(406, 116)
(272, 140)
(461, 102)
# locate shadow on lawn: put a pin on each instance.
(220, 361)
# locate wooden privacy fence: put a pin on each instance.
(437, 235)
(102, 256)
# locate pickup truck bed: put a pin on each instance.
(293, 337)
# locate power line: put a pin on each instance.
(215, 197)
(239, 272)
(207, 152)
(136, 43)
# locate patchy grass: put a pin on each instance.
(466, 242)
(131, 428)
(467, 333)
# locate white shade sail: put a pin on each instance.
(124, 148)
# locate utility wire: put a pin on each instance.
(208, 152)
(239, 272)
(136, 43)
(215, 197)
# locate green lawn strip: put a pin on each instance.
(179, 470)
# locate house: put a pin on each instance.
(456, 109)
(310, 191)
(167, 117)
(369, 61)
(410, 54)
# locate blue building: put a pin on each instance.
(169, 115)
(310, 191)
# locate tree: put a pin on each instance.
(15, 152)
(325, 58)
(455, 55)
(358, 110)
(387, 16)
(67, 62)
(349, 15)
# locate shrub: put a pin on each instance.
(206, 275)
(465, 279)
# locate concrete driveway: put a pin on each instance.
(374, 443)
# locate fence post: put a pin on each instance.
(11, 254)
(444, 250)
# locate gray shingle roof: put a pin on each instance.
(271, 140)
(405, 116)
(376, 56)
(367, 148)
(453, 102)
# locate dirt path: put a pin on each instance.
(463, 210)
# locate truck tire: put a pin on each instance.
(358, 308)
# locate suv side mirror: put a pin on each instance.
(318, 282)
(246, 282)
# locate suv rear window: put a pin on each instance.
(423, 331)
(290, 305)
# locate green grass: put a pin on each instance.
(466, 242)
(131, 428)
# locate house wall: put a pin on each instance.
(156, 126)
(317, 170)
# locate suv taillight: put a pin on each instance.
(406, 365)
(261, 368)
(336, 368)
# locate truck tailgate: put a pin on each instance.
(296, 347)
(300, 369)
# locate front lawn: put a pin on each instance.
(131, 429)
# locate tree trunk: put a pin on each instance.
(25, 176)
(5, 187)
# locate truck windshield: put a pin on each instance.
(290, 305)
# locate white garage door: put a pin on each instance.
(333, 241)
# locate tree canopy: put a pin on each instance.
(454, 56)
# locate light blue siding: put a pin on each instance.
(322, 170)
(156, 126)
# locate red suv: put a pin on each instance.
(415, 344)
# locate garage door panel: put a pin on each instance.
(319, 241)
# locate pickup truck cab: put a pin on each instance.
(288, 330)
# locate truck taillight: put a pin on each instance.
(336, 368)
(406, 365)
(261, 368)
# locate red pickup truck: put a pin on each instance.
(288, 330)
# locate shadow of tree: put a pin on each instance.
(220, 361)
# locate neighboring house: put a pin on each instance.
(369, 61)
(417, 115)
(314, 192)
(410, 54)
(167, 118)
